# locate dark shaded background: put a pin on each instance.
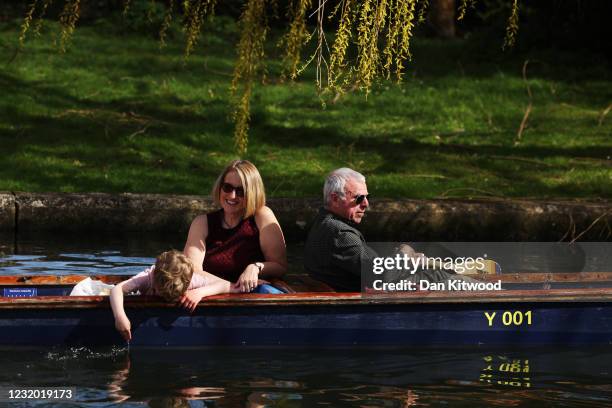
(562, 24)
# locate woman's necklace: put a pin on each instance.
(225, 224)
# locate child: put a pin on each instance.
(170, 278)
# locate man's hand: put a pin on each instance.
(248, 280)
(190, 300)
(408, 250)
(124, 327)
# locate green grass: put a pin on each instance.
(116, 114)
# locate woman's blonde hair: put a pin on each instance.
(172, 275)
(254, 193)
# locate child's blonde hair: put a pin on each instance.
(172, 275)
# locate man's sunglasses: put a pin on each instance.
(228, 188)
(359, 199)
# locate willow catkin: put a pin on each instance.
(163, 31)
(463, 6)
(254, 28)
(195, 14)
(424, 6)
(27, 21)
(406, 18)
(41, 15)
(378, 26)
(68, 20)
(366, 67)
(343, 37)
(295, 38)
(392, 37)
(512, 27)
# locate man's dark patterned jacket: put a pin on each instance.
(335, 251)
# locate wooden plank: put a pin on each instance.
(304, 283)
(44, 280)
(323, 299)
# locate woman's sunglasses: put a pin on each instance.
(228, 188)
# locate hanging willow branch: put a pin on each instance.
(463, 7)
(68, 19)
(295, 38)
(27, 21)
(424, 6)
(337, 64)
(512, 27)
(405, 21)
(163, 31)
(372, 40)
(41, 15)
(195, 13)
(254, 26)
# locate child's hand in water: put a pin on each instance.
(124, 327)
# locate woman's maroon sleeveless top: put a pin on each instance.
(229, 251)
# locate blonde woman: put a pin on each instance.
(242, 241)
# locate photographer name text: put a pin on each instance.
(452, 284)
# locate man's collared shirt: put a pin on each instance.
(335, 251)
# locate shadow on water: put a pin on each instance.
(304, 378)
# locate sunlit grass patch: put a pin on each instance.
(115, 113)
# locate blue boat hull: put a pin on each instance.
(317, 325)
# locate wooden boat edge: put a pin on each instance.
(324, 299)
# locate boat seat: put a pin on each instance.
(304, 283)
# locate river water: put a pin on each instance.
(247, 377)
(324, 378)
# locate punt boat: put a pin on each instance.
(533, 309)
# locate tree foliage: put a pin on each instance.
(371, 40)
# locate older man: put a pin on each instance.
(335, 249)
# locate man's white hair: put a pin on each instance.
(336, 181)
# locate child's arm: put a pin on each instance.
(140, 282)
(122, 323)
(214, 286)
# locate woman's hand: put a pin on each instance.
(124, 327)
(190, 299)
(248, 280)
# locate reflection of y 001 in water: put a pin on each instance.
(501, 370)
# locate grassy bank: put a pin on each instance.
(116, 114)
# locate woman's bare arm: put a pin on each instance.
(195, 247)
(272, 244)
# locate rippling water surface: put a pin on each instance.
(243, 377)
(106, 255)
(308, 378)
